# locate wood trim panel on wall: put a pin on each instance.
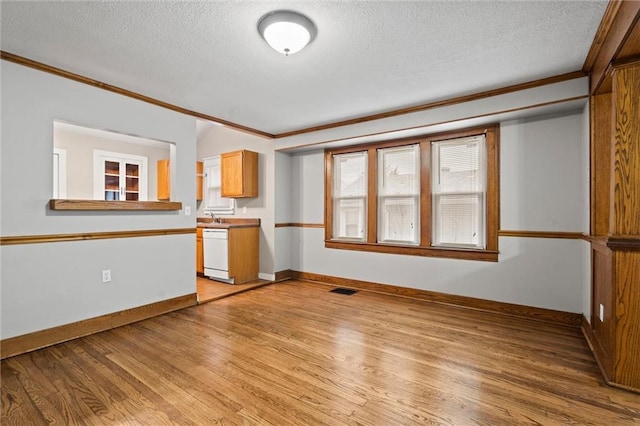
(539, 314)
(617, 24)
(124, 92)
(51, 336)
(56, 238)
(587, 332)
(601, 134)
(625, 220)
(601, 34)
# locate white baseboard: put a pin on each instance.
(268, 277)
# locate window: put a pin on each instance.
(458, 191)
(213, 200)
(350, 196)
(435, 195)
(398, 194)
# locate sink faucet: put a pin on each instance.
(215, 219)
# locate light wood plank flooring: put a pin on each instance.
(295, 354)
(209, 290)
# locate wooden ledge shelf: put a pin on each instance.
(57, 204)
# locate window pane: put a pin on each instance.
(398, 220)
(398, 176)
(458, 165)
(458, 192)
(458, 220)
(349, 220)
(213, 200)
(398, 171)
(350, 175)
(212, 185)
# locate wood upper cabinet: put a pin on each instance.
(239, 171)
(164, 180)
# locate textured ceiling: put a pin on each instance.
(368, 57)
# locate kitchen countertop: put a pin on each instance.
(227, 223)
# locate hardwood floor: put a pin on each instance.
(294, 353)
(209, 290)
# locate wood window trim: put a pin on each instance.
(490, 253)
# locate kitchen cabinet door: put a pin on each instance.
(164, 180)
(239, 174)
(199, 252)
(199, 179)
(119, 177)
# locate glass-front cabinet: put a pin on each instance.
(119, 177)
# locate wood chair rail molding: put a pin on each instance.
(540, 314)
(542, 234)
(56, 238)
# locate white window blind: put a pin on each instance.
(350, 196)
(458, 189)
(398, 194)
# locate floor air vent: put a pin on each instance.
(341, 290)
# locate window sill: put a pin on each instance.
(464, 254)
(58, 204)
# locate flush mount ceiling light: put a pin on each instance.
(286, 31)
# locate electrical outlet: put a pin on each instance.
(187, 210)
(244, 210)
(601, 313)
(106, 275)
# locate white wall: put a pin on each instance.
(215, 140)
(46, 285)
(307, 184)
(543, 176)
(542, 169)
(283, 211)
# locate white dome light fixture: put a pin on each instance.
(286, 32)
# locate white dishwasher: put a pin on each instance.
(216, 254)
